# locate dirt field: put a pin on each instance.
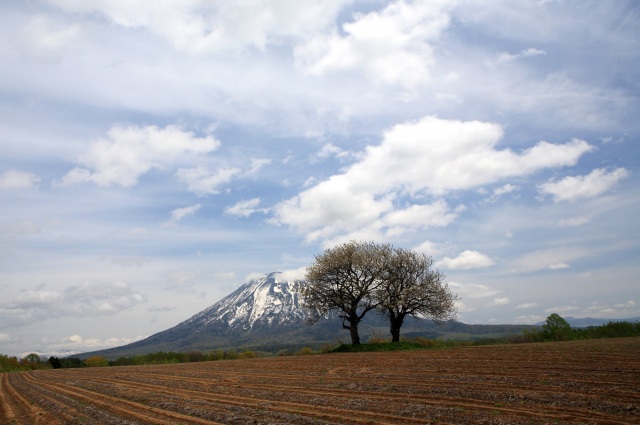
(580, 382)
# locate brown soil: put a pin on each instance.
(578, 382)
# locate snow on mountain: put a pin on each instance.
(46, 355)
(268, 301)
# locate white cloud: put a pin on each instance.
(180, 213)
(44, 38)
(466, 260)
(574, 221)
(532, 319)
(78, 342)
(91, 298)
(526, 305)
(628, 304)
(203, 182)
(576, 187)
(429, 156)
(391, 46)
(501, 301)
(245, 208)
(548, 259)
(331, 150)
(503, 190)
(196, 26)
(428, 248)
(128, 152)
(559, 266)
(14, 179)
(257, 164)
(293, 274)
(527, 53)
(561, 310)
(472, 290)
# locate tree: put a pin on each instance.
(342, 279)
(55, 362)
(411, 288)
(96, 361)
(557, 329)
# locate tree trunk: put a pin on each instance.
(355, 337)
(396, 324)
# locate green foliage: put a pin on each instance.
(611, 330)
(11, 364)
(305, 351)
(557, 329)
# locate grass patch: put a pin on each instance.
(378, 346)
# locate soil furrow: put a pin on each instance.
(343, 415)
(137, 411)
(24, 410)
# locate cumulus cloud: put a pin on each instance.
(91, 298)
(593, 184)
(180, 213)
(128, 152)
(430, 156)
(391, 46)
(466, 260)
(14, 179)
(196, 26)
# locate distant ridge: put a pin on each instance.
(266, 314)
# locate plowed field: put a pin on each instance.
(579, 382)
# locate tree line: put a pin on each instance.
(556, 328)
(355, 278)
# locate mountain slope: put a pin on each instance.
(267, 314)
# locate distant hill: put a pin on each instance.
(266, 315)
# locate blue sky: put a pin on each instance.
(153, 159)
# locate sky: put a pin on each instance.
(153, 159)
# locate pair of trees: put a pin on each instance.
(357, 277)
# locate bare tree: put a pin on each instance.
(411, 288)
(343, 279)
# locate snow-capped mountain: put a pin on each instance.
(268, 301)
(265, 312)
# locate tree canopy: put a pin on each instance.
(357, 277)
(411, 288)
(343, 279)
